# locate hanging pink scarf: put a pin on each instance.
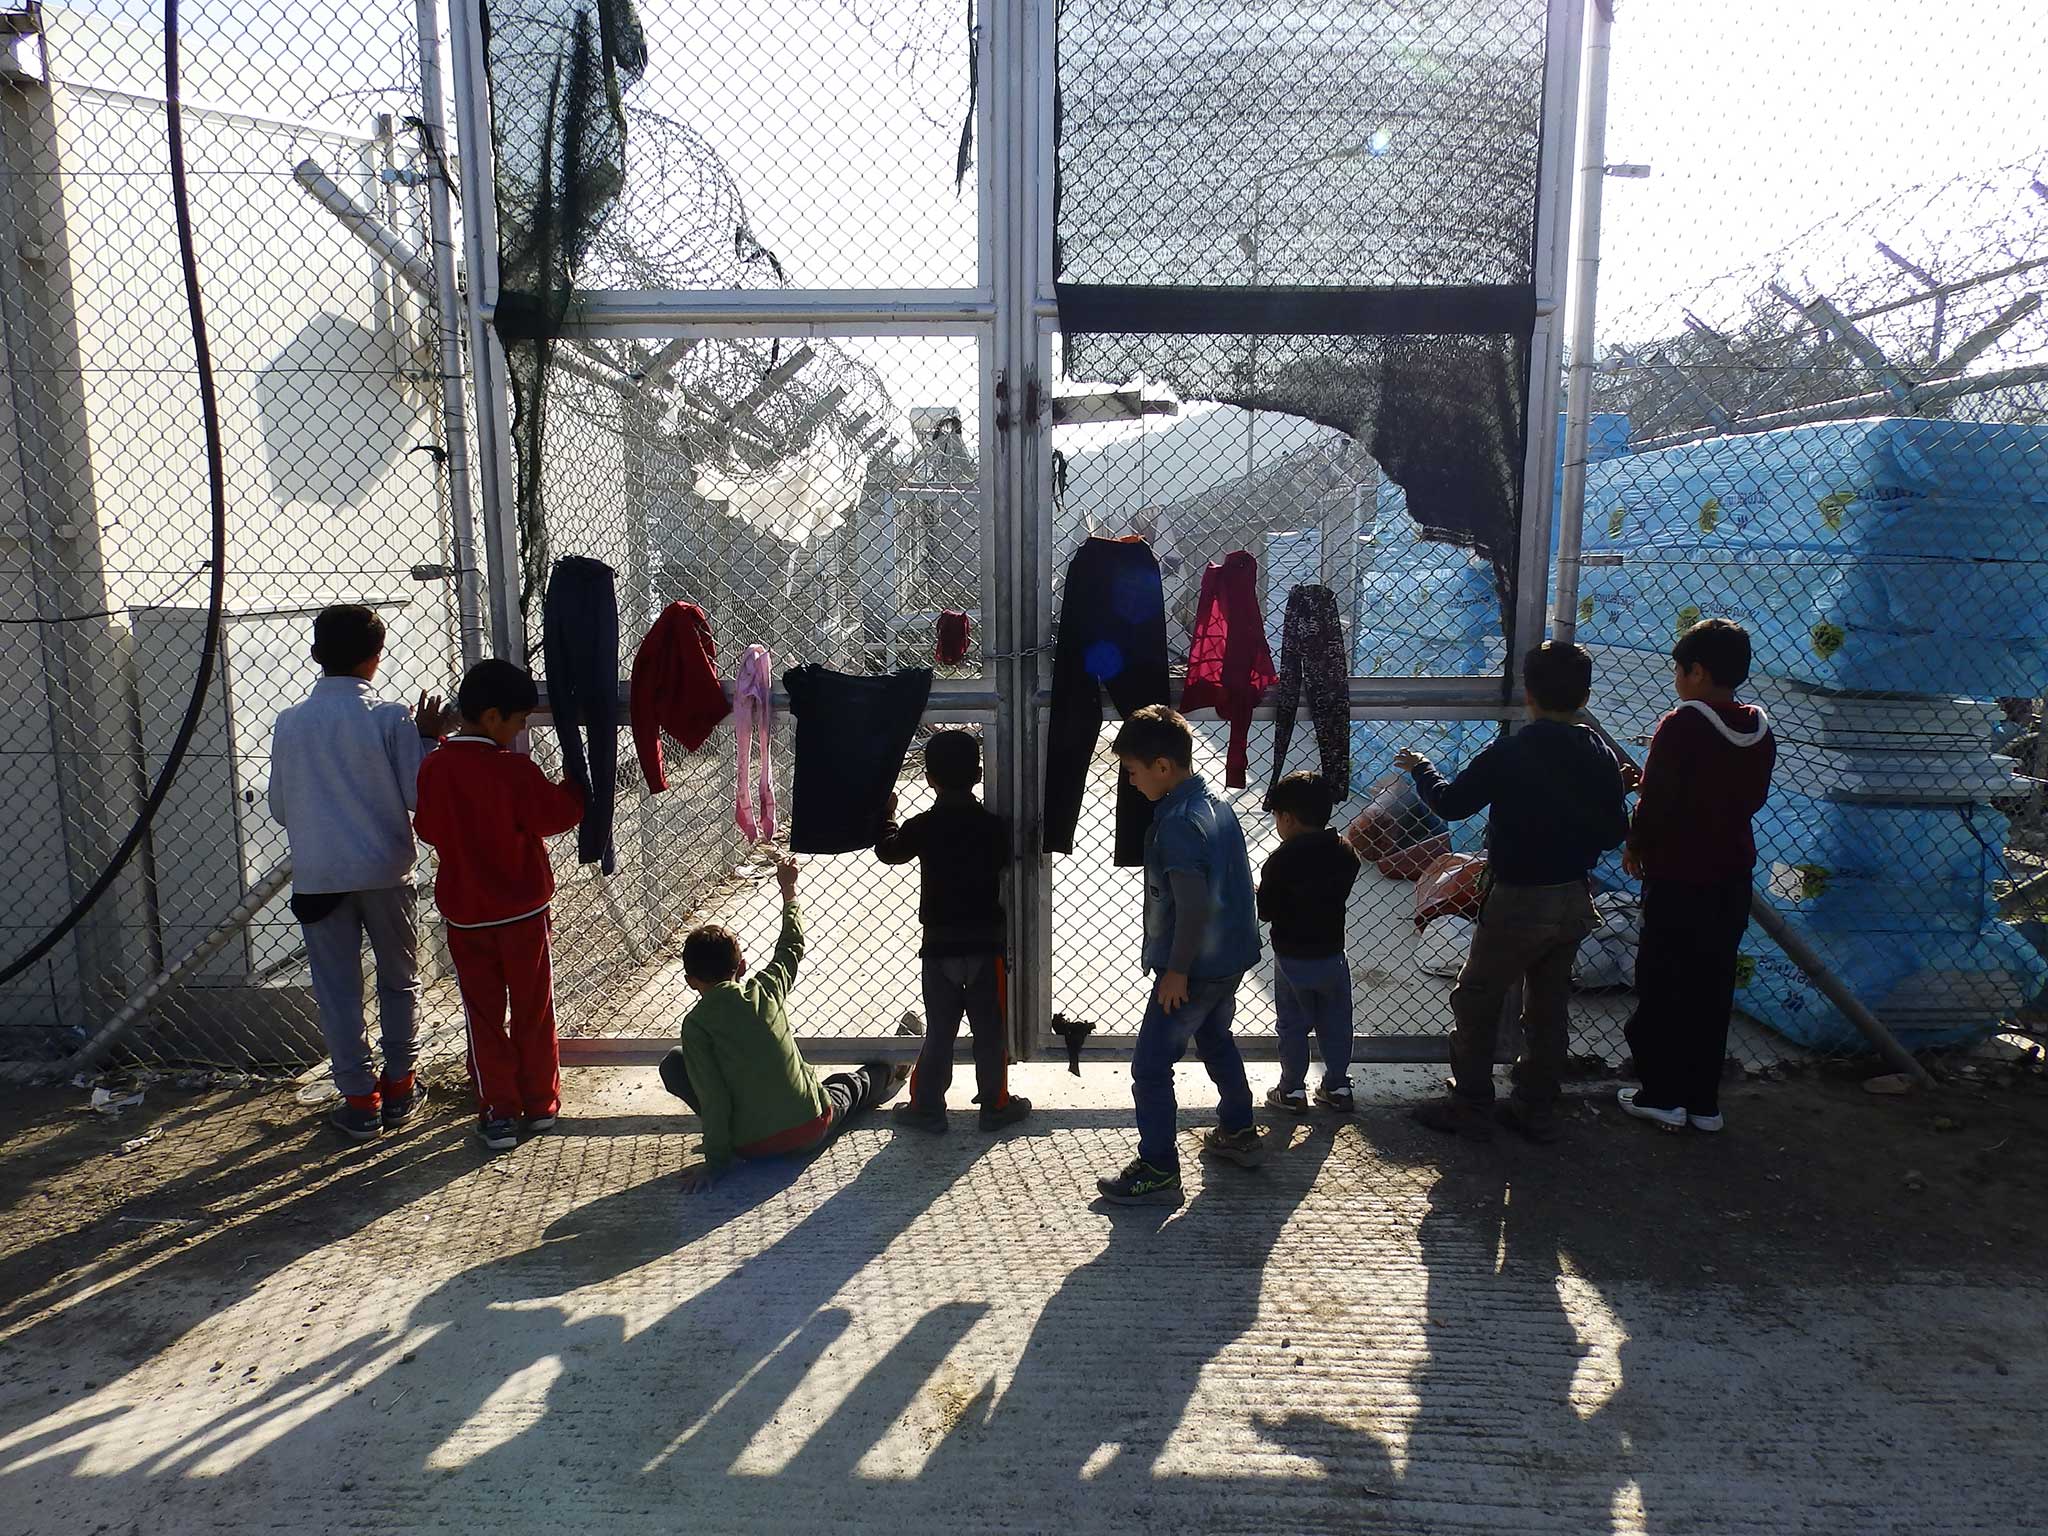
(753, 711)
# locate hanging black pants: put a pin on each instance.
(852, 734)
(580, 640)
(1312, 662)
(1113, 636)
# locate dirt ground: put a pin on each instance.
(1830, 1318)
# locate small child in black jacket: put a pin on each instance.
(961, 848)
(1303, 887)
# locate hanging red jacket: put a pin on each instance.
(675, 688)
(1229, 664)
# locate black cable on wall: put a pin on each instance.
(216, 480)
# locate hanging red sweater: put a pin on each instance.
(1229, 665)
(675, 688)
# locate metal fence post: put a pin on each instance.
(496, 477)
(1571, 509)
(448, 337)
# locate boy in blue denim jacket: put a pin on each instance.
(1201, 936)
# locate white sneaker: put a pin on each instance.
(1704, 1122)
(1670, 1119)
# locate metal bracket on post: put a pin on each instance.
(496, 476)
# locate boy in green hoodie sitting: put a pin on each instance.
(738, 1066)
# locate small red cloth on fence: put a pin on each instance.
(675, 688)
(953, 630)
(1229, 664)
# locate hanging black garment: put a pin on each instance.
(852, 734)
(1312, 662)
(580, 648)
(1112, 636)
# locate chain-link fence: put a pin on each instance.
(330, 405)
(823, 550)
(1819, 408)
(1822, 379)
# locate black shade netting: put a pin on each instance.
(1322, 210)
(557, 69)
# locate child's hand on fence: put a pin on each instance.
(1631, 778)
(1408, 761)
(1173, 990)
(889, 809)
(785, 876)
(1630, 864)
(433, 717)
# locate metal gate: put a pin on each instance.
(915, 447)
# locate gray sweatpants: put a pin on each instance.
(334, 948)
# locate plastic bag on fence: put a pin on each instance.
(1441, 948)
(1452, 885)
(1409, 863)
(1394, 819)
(1607, 955)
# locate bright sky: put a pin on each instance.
(839, 119)
(1760, 118)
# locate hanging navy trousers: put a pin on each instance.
(580, 640)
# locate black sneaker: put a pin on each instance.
(1338, 1099)
(357, 1124)
(1538, 1122)
(1455, 1117)
(1008, 1113)
(1246, 1148)
(403, 1102)
(498, 1135)
(535, 1125)
(1140, 1184)
(914, 1117)
(1289, 1101)
(893, 1075)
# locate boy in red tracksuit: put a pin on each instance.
(1708, 774)
(486, 811)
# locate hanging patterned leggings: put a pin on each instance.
(1312, 662)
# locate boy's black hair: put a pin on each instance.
(345, 636)
(1558, 677)
(1719, 645)
(1155, 732)
(952, 759)
(1304, 796)
(495, 683)
(711, 954)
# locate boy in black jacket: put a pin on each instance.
(1303, 887)
(962, 849)
(1558, 804)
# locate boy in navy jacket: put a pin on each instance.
(1558, 803)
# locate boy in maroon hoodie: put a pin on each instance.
(1708, 773)
(486, 811)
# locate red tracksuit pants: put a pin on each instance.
(517, 1071)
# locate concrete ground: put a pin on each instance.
(1829, 1319)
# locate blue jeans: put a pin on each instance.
(1313, 996)
(1162, 1040)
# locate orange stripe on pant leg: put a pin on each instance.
(1003, 1013)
